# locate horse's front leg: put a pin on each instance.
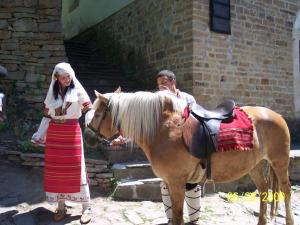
(177, 190)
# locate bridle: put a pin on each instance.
(102, 115)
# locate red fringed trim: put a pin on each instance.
(186, 112)
(86, 106)
(237, 134)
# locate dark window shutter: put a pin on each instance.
(220, 16)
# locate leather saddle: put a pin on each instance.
(222, 112)
(200, 131)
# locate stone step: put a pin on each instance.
(149, 189)
(123, 153)
(138, 190)
(139, 170)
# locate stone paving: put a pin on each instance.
(22, 202)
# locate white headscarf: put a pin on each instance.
(71, 95)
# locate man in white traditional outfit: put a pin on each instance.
(166, 80)
(65, 176)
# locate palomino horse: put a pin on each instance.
(154, 122)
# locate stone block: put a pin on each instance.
(29, 163)
(53, 27)
(92, 182)
(41, 54)
(104, 175)
(29, 158)
(123, 154)
(3, 24)
(14, 158)
(147, 189)
(91, 175)
(49, 12)
(49, 4)
(33, 78)
(132, 171)
(30, 3)
(5, 34)
(95, 170)
(18, 75)
(26, 25)
(96, 161)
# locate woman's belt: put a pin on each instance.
(64, 121)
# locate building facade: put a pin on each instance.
(255, 63)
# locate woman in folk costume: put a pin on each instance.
(65, 175)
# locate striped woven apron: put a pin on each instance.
(63, 157)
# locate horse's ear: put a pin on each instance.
(168, 105)
(118, 90)
(101, 96)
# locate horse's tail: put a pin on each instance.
(273, 183)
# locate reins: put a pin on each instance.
(96, 130)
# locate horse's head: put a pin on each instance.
(99, 126)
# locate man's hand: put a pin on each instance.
(118, 141)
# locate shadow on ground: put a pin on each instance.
(20, 184)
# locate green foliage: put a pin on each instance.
(114, 182)
(20, 114)
(27, 147)
(3, 127)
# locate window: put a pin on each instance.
(220, 16)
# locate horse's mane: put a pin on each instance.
(139, 114)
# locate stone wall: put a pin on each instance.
(31, 43)
(98, 171)
(151, 35)
(101, 175)
(253, 65)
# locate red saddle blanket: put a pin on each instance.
(236, 134)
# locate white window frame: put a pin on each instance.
(296, 70)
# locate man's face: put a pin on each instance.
(164, 83)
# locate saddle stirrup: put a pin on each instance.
(166, 199)
(192, 199)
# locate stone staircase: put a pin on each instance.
(94, 71)
(133, 173)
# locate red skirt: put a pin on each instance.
(63, 157)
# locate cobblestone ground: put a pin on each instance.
(22, 203)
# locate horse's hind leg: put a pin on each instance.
(281, 175)
(261, 182)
